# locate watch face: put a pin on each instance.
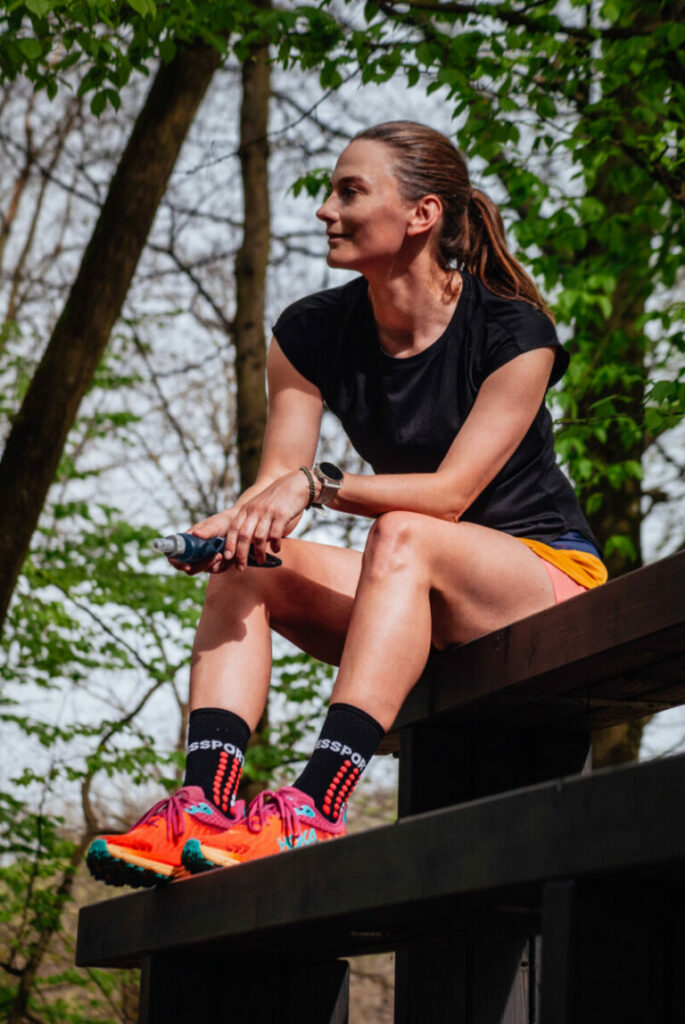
(331, 471)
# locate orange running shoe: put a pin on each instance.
(274, 823)
(150, 853)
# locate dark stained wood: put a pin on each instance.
(487, 853)
(445, 765)
(613, 953)
(614, 653)
(258, 989)
(465, 982)
(475, 869)
(558, 929)
(442, 969)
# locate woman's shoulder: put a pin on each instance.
(329, 303)
(510, 327)
(513, 317)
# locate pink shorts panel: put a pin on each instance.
(564, 586)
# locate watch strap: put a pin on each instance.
(312, 486)
(329, 486)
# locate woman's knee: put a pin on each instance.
(394, 542)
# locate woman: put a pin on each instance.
(436, 360)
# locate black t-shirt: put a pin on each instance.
(402, 415)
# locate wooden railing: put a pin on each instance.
(515, 887)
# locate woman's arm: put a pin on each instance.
(504, 410)
(271, 507)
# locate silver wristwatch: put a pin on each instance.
(331, 477)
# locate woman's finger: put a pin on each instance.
(231, 535)
(245, 538)
(261, 537)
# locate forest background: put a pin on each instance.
(160, 168)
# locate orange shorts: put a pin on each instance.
(571, 572)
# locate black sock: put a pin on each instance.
(347, 743)
(217, 741)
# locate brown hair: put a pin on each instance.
(472, 236)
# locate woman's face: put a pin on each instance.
(366, 218)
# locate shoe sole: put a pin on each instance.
(195, 859)
(130, 870)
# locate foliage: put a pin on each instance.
(575, 113)
(574, 121)
(94, 685)
(43, 39)
(297, 701)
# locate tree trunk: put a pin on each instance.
(39, 431)
(250, 275)
(251, 263)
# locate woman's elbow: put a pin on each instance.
(450, 503)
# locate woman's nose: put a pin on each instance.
(325, 212)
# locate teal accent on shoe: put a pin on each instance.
(200, 809)
(113, 871)
(194, 860)
(305, 838)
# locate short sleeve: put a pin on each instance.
(522, 329)
(294, 336)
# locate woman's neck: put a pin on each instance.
(413, 310)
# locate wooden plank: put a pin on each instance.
(434, 872)
(260, 989)
(445, 765)
(456, 982)
(435, 972)
(612, 952)
(559, 936)
(482, 980)
(633, 628)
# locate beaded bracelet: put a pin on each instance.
(312, 486)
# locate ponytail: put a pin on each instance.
(482, 250)
(472, 234)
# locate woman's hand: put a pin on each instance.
(261, 518)
(266, 518)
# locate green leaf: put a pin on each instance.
(662, 390)
(40, 7)
(594, 503)
(621, 545)
(32, 49)
(611, 10)
(98, 102)
(591, 209)
(370, 10)
(141, 6)
(167, 50)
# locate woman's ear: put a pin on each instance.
(427, 212)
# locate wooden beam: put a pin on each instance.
(261, 989)
(442, 872)
(611, 654)
(612, 951)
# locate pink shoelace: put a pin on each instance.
(269, 803)
(171, 808)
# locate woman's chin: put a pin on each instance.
(334, 259)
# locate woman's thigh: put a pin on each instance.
(479, 579)
(309, 598)
(487, 580)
